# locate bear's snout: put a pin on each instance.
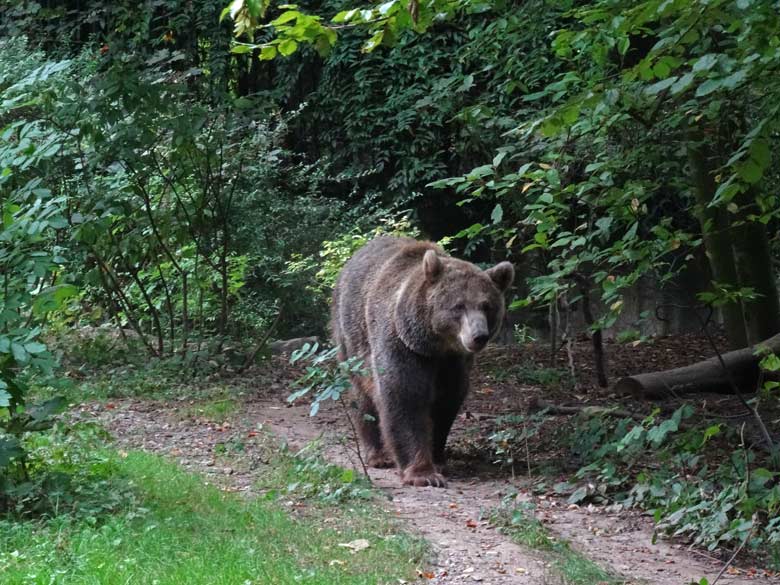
(474, 333)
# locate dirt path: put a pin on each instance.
(467, 549)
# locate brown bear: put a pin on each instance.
(416, 317)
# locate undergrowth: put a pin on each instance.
(690, 476)
(305, 474)
(708, 483)
(517, 520)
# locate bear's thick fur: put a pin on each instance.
(417, 317)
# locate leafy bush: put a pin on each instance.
(68, 470)
(309, 476)
(510, 437)
(714, 496)
(326, 376)
(31, 262)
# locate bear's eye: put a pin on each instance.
(484, 306)
(458, 308)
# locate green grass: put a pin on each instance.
(571, 566)
(175, 530)
(216, 409)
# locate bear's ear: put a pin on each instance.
(432, 265)
(502, 275)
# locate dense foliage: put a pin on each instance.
(192, 199)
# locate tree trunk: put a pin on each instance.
(596, 338)
(755, 270)
(704, 376)
(716, 233)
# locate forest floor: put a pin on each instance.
(226, 445)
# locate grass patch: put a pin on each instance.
(175, 530)
(573, 568)
(217, 409)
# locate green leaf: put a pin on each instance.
(373, 42)
(770, 363)
(498, 214)
(708, 87)
(19, 353)
(254, 7)
(241, 49)
(579, 495)
(268, 53)
(45, 410)
(705, 62)
(287, 47)
(34, 347)
(5, 398)
(661, 69)
(726, 192)
(53, 298)
(623, 45)
(10, 449)
(749, 171)
(682, 83)
(660, 86)
(286, 17)
(344, 15)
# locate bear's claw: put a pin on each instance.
(380, 460)
(430, 479)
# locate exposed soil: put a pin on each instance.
(467, 549)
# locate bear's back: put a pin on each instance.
(376, 271)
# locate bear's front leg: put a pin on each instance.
(452, 385)
(406, 384)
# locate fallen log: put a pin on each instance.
(704, 376)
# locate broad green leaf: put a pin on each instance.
(708, 87)
(53, 298)
(241, 49)
(287, 47)
(498, 214)
(705, 62)
(373, 42)
(286, 17)
(255, 8)
(683, 83)
(10, 449)
(660, 86)
(19, 353)
(45, 410)
(268, 53)
(749, 171)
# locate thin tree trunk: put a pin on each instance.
(755, 270)
(104, 272)
(185, 328)
(169, 306)
(597, 339)
(716, 232)
(152, 309)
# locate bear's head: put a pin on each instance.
(464, 304)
